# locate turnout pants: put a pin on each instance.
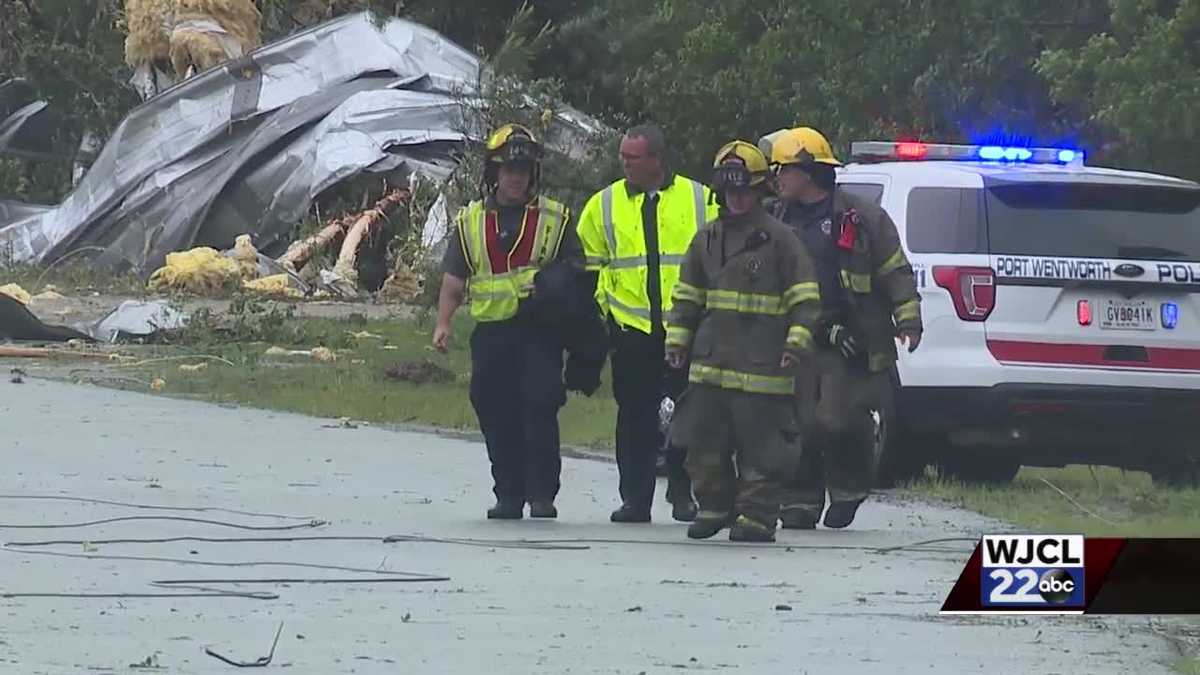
(837, 405)
(517, 390)
(640, 380)
(741, 449)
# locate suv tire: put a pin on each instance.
(1178, 472)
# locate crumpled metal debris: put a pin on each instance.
(135, 319)
(246, 147)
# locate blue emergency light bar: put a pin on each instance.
(891, 151)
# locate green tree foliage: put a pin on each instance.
(72, 51)
(1138, 84)
(942, 70)
(1119, 76)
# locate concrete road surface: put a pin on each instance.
(817, 602)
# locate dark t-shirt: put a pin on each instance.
(454, 262)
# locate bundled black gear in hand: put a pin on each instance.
(582, 373)
(563, 303)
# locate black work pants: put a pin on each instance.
(641, 378)
(517, 390)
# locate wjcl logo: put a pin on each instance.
(1024, 570)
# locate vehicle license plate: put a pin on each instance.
(1128, 315)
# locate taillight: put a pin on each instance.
(1083, 311)
(973, 290)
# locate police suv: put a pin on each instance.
(1061, 311)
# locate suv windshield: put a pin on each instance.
(1094, 221)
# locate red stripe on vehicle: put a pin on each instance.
(1158, 358)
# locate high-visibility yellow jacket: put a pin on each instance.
(500, 278)
(614, 243)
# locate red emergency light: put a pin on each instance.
(911, 150)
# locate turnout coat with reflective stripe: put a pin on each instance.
(875, 274)
(614, 243)
(747, 292)
(500, 277)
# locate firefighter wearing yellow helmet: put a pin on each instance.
(743, 311)
(868, 299)
(498, 245)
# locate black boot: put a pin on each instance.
(799, 519)
(841, 514)
(542, 509)
(706, 526)
(684, 510)
(629, 513)
(507, 509)
(679, 488)
(748, 529)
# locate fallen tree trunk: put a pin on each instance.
(43, 353)
(347, 263)
(300, 252)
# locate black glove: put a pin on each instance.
(840, 338)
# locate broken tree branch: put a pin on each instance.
(299, 253)
(44, 353)
(347, 262)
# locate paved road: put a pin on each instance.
(657, 604)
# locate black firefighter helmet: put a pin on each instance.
(512, 144)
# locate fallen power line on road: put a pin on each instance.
(565, 544)
(249, 595)
(157, 507)
(302, 580)
(213, 563)
(205, 521)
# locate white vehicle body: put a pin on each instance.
(1061, 305)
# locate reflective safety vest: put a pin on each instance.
(499, 277)
(614, 243)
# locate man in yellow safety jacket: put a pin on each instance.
(634, 234)
(498, 246)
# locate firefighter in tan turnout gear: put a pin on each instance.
(868, 299)
(743, 311)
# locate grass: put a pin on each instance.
(355, 384)
(1107, 502)
(71, 276)
(1187, 666)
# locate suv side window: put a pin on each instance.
(946, 220)
(870, 191)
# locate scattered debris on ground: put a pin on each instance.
(257, 663)
(318, 353)
(419, 372)
(16, 293)
(18, 323)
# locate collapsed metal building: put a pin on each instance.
(244, 148)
